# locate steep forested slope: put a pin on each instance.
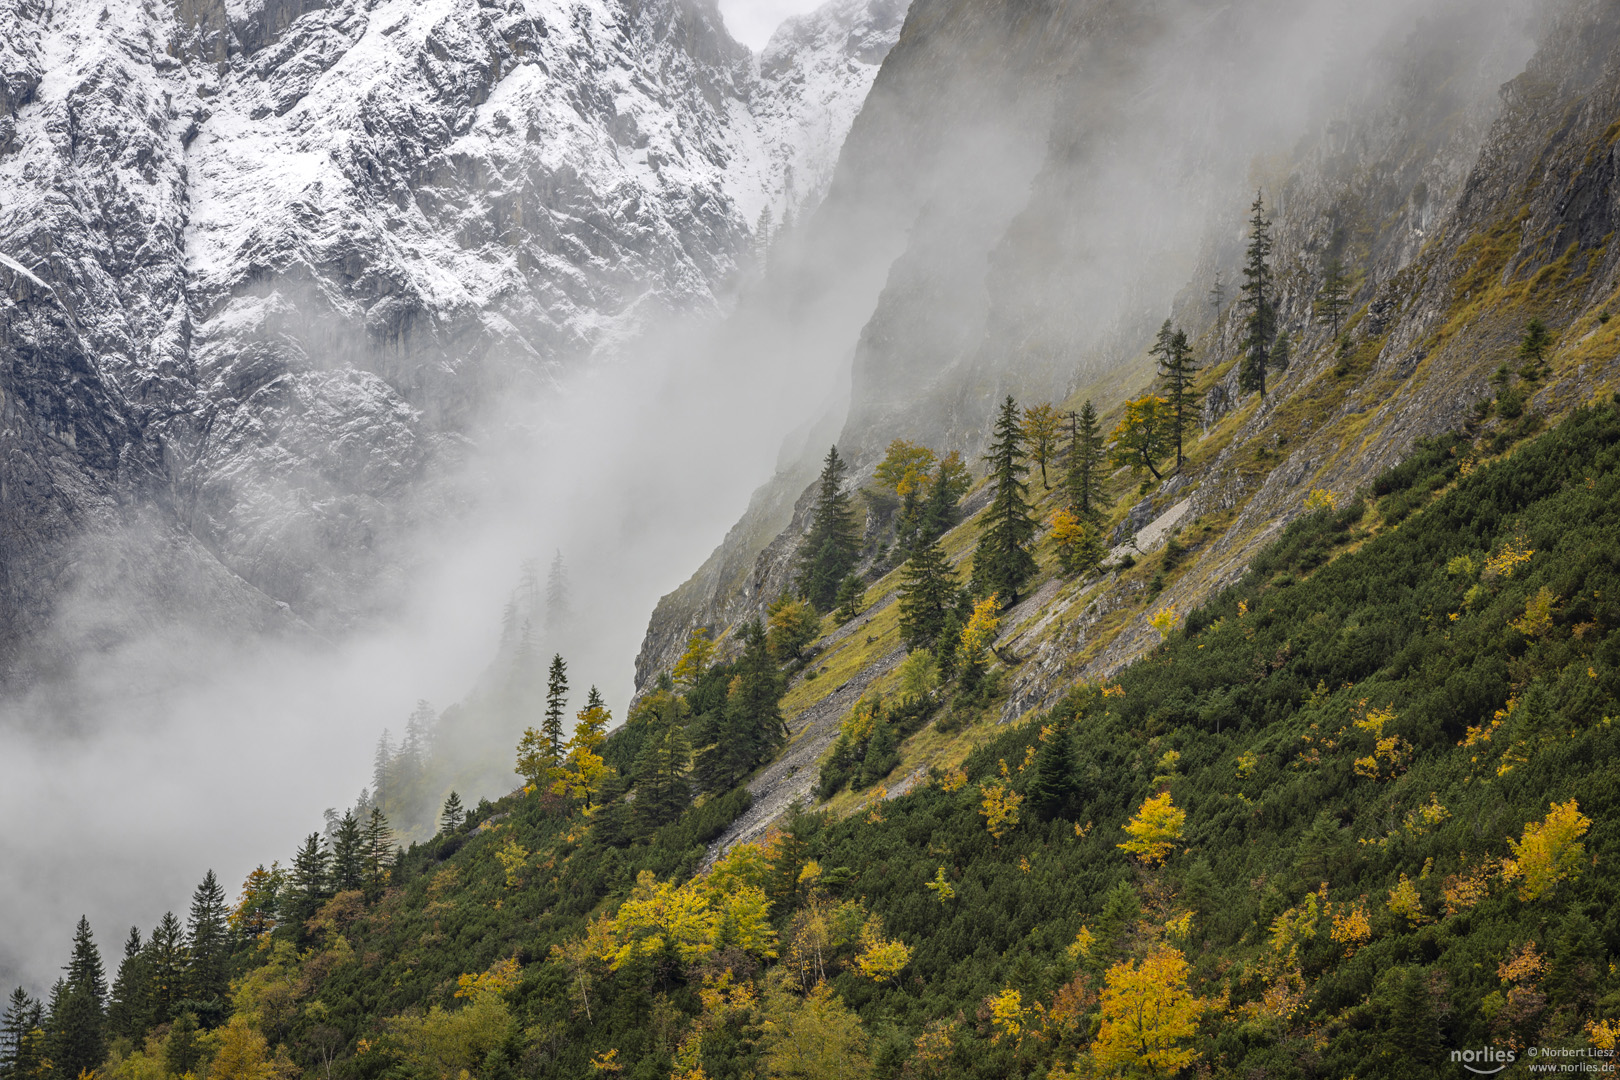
(1355, 814)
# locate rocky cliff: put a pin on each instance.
(268, 261)
(1470, 186)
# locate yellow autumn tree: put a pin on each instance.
(880, 958)
(1007, 1014)
(583, 770)
(660, 922)
(999, 805)
(1042, 423)
(1143, 436)
(696, 659)
(243, 1054)
(1147, 1013)
(905, 468)
(1550, 851)
(1154, 830)
(1068, 536)
(980, 631)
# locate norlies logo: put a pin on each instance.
(1487, 1062)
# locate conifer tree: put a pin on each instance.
(928, 595)
(208, 946)
(1002, 562)
(1217, 298)
(851, 594)
(166, 967)
(348, 854)
(378, 846)
(127, 1009)
(77, 1030)
(181, 1054)
(1333, 297)
(1084, 481)
(1260, 319)
(749, 728)
(453, 813)
(1053, 791)
(1176, 367)
(950, 482)
(20, 1036)
(662, 791)
(831, 548)
(1281, 352)
(881, 753)
(1533, 346)
(559, 611)
(556, 706)
(310, 883)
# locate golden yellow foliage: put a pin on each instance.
(880, 958)
(1246, 763)
(696, 659)
(659, 920)
(953, 779)
(243, 1054)
(1154, 830)
(1147, 1011)
(499, 979)
(1405, 901)
(1164, 621)
(999, 806)
(1604, 1034)
(980, 630)
(1513, 555)
(1082, 944)
(905, 468)
(941, 888)
(1006, 1014)
(1550, 851)
(512, 856)
(1538, 613)
(1320, 499)
(1352, 927)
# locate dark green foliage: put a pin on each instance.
(850, 598)
(938, 513)
(662, 791)
(452, 815)
(882, 754)
(830, 549)
(128, 1009)
(1002, 562)
(1533, 348)
(166, 965)
(309, 883)
(1176, 368)
(21, 1029)
(348, 854)
(1084, 476)
(556, 706)
(77, 1026)
(740, 727)
(1260, 315)
(182, 1054)
(378, 844)
(1054, 789)
(929, 595)
(208, 950)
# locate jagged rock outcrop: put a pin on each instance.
(304, 244)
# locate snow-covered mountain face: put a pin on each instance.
(267, 260)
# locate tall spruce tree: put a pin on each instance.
(310, 883)
(453, 813)
(208, 948)
(1054, 790)
(833, 545)
(128, 1009)
(78, 1023)
(1002, 562)
(556, 707)
(1084, 480)
(21, 1034)
(662, 790)
(928, 595)
(377, 843)
(748, 729)
(1176, 367)
(166, 967)
(1260, 317)
(348, 854)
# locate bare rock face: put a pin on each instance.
(284, 252)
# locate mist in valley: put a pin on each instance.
(151, 760)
